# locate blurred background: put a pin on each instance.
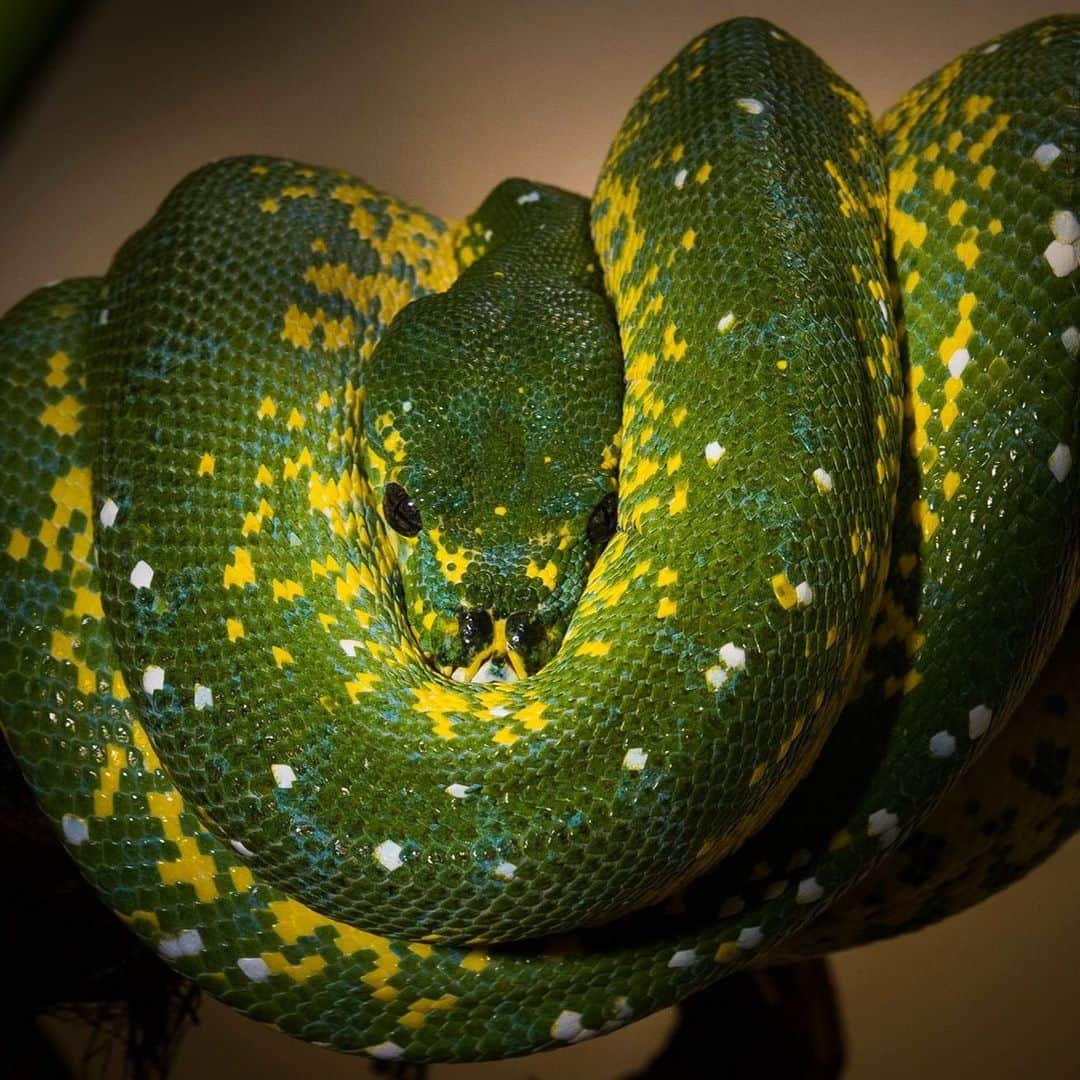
(104, 106)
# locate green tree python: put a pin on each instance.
(451, 640)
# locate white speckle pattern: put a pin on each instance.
(750, 937)
(142, 575)
(1070, 338)
(567, 1026)
(804, 594)
(683, 958)
(109, 510)
(457, 791)
(958, 361)
(635, 759)
(75, 829)
(153, 679)
(1065, 227)
(103, 318)
(809, 891)
(406, 406)
(680, 178)
(1046, 154)
(1060, 462)
(350, 645)
(979, 720)
(726, 323)
(992, 48)
(880, 821)
(386, 1051)
(714, 452)
(254, 967)
(823, 480)
(1061, 257)
(731, 906)
(750, 105)
(284, 776)
(528, 197)
(716, 676)
(186, 943)
(242, 849)
(505, 871)
(734, 656)
(623, 1011)
(942, 744)
(499, 711)
(388, 855)
(204, 697)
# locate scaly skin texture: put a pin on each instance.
(270, 805)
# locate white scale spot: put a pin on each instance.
(103, 318)
(406, 406)
(683, 958)
(992, 48)
(942, 744)
(284, 776)
(385, 1051)
(388, 855)
(528, 197)
(75, 829)
(716, 676)
(774, 889)
(142, 575)
(488, 234)
(809, 891)
(734, 656)
(1060, 462)
(714, 452)
(750, 937)
(204, 697)
(726, 323)
(499, 711)
(623, 1011)
(457, 791)
(880, 821)
(1061, 256)
(1065, 227)
(186, 943)
(1070, 338)
(680, 178)
(505, 871)
(1046, 155)
(635, 759)
(254, 967)
(823, 480)
(153, 679)
(567, 1026)
(979, 720)
(109, 510)
(958, 361)
(242, 849)
(349, 646)
(804, 594)
(750, 105)
(731, 906)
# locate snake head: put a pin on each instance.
(490, 422)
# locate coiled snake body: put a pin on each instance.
(324, 646)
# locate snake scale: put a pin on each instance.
(451, 640)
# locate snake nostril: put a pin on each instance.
(477, 629)
(523, 632)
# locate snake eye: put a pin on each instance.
(400, 511)
(603, 520)
(523, 632)
(476, 628)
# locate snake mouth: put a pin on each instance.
(497, 662)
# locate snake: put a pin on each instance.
(449, 640)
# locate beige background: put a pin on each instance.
(436, 103)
